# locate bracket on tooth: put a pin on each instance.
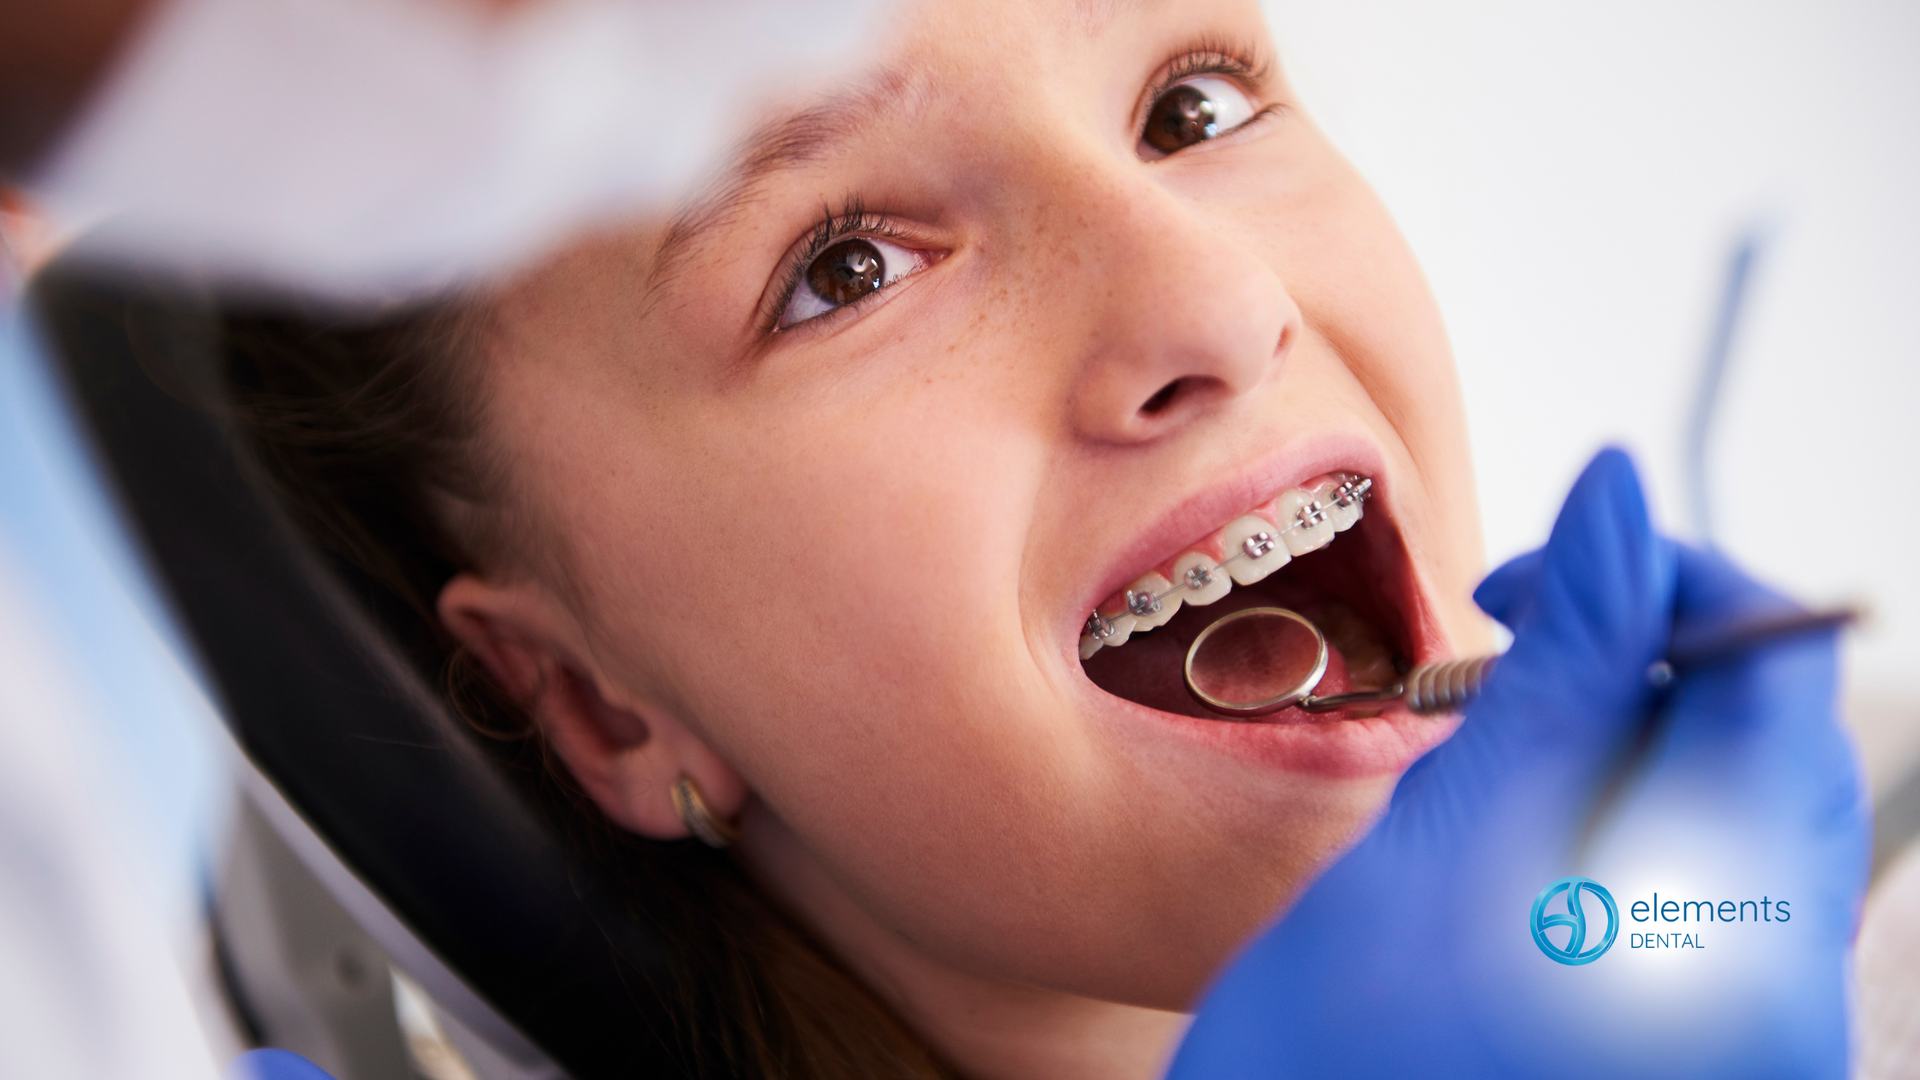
(1099, 627)
(1353, 491)
(1142, 603)
(1199, 577)
(1258, 545)
(1311, 514)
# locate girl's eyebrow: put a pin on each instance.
(786, 142)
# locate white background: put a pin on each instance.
(1574, 178)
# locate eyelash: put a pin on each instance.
(1208, 57)
(854, 219)
(1220, 56)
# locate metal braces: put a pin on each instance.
(1351, 492)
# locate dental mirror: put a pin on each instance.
(1261, 660)
(1256, 661)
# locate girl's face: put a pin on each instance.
(825, 476)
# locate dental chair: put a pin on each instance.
(384, 885)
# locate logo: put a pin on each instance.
(1575, 951)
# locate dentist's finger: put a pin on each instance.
(1507, 591)
(1598, 613)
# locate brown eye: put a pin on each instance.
(846, 272)
(1183, 116)
(1193, 112)
(849, 270)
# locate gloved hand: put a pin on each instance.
(274, 1065)
(1416, 955)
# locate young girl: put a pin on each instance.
(816, 521)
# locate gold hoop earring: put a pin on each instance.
(701, 821)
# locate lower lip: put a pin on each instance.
(1328, 745)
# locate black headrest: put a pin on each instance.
(327, 709)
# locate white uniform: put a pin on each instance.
(105, 783)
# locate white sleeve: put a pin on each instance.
(100, 772)
(364, 147)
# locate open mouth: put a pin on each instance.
(1313, 550)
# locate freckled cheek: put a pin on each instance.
(858, 527)
(912, 518)
(859, 520)
(887, 555)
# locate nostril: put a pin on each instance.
(1162, 398)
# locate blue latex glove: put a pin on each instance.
(1414, 954)
(274, 1065)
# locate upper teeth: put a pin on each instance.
(1251, 547)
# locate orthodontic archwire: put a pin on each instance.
(1352, 492)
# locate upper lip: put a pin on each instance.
(1203, 512)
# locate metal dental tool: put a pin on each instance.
(1261, 660)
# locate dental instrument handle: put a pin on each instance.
(1450, 685)
(1694, 645)
(1445, 686)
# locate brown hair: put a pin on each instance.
(369, 433)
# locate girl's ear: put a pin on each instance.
(625, 755)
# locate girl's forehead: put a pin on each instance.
(943, 59)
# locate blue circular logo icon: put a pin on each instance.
(1575, 950)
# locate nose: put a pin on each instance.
(1183, 318)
